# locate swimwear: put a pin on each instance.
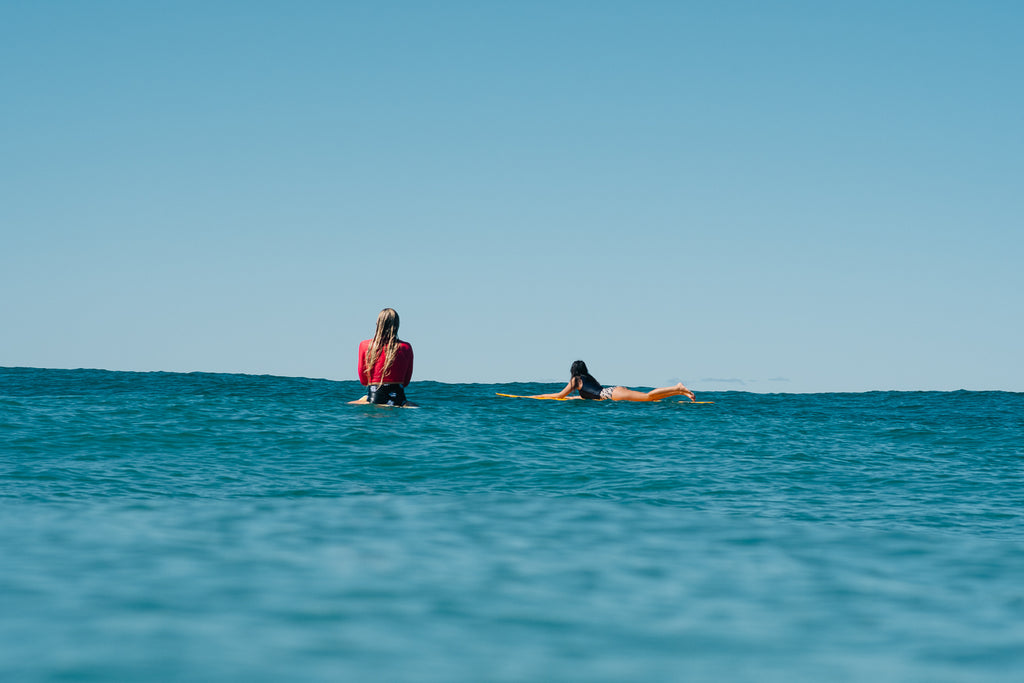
(386, 394)
(606, 393)
(400, 371)
(590, 388)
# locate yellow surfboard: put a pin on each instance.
(540, 398)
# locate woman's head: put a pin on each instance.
(385, 340)
(578, 369)
(387, 325)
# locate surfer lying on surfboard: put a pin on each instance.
(589, 388)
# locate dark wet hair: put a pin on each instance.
(579, 369)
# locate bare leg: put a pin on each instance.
(624, 394)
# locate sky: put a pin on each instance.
(755, 196)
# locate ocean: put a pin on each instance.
(213, 527)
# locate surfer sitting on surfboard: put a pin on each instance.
(385, 363)
(589, 388)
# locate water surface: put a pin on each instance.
(183, 527)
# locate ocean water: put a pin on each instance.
(208, 527)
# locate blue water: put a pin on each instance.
(205, 527)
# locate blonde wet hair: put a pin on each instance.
(385, 340)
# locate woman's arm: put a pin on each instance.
(361, 369)
(408, 369)
(569, 388)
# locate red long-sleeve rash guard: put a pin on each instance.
(401, 369)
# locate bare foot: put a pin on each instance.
(685, 392)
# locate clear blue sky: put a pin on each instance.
(764, 196)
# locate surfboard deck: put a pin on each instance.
(363, 402)
(548, 398)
